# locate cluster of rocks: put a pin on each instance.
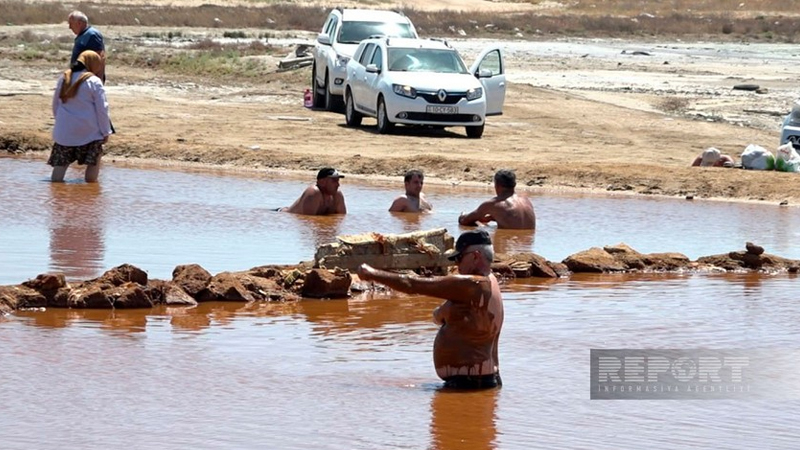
(621, 258)
(127, 286)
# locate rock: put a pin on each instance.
(88, 296)
(225, 286)
(47, 284)
(168, 293)
(503, 270)
(560, 269)
(521, 269)
(16, 297)
(753, 249)
(125, 273)
(128, 295)
(594, 260)
(270, 289)
(322, 283)
(191, 278)
(526, 265)
(666, 261)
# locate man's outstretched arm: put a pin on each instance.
(457, 288)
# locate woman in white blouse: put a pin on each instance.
(82, 123)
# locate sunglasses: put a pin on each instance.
(461, 256)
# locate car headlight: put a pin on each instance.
(405, 91)
(342, 61)
(474, 93)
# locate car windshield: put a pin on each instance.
(355, 32)
(425, 60)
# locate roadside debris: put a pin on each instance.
(299, 57)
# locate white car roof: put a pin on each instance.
(372, 15)
(415, 43)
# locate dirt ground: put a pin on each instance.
(569, 122)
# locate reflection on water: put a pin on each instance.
(463, 419)
(77, 244)
(158, 219)
(358, 373)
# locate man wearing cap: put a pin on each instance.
(508, 209)
(413, 200)
(321, 199)
(470, 319)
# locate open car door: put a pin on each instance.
(489, 68)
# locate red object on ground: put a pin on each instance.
(307, 99)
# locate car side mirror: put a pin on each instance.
(372, 68)
(484, 73)
(324, 39)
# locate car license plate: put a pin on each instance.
(441, 109)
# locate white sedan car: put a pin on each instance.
(422, 82)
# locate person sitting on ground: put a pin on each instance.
(711, 157)
(413, 200)
(321, 199)
(82, 123)
(465, 351)
(509, 210)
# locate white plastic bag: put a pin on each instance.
(757, 157)
(787, 159)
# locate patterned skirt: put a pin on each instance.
(88, 154)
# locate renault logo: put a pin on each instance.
(441, 95)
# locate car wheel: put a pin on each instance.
(475, 132)
(330, 99)
(384, 125)
(316, 97)
(351, 116)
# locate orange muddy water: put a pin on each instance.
(357, 373)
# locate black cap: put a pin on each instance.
(328, 172)
(467, 239)
(505, 178)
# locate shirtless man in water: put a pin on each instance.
(465, 349)
(321, 199)
(413, 200)
(508, 209)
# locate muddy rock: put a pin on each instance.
(8, 301)
(47, 284)
(753, 249)
(192, 278)
(21, 297)
(737, 261)
(503, 270)
(322, 283)
(525, 265)
(125, 273)
(666, 261)
(265, 289)
(225, 286)
(88, 295)
(168, 293)
(128, 295)
(594, 260)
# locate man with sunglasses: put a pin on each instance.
(465, 348)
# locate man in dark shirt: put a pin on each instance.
(86, 38)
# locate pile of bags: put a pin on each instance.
(786, 158)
